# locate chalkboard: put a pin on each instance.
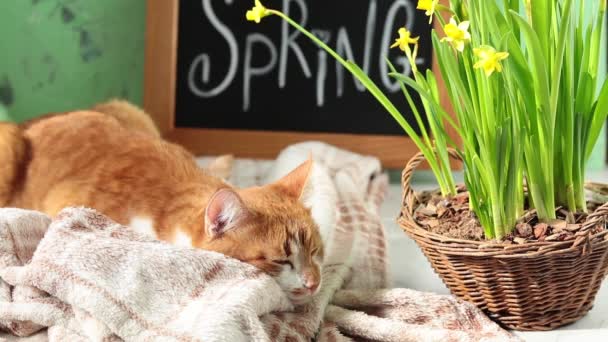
(269, 77)
(217, 83)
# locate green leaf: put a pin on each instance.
(412, 105)
(538, 72)
(542, 12)
(559, 57)
(598, 121)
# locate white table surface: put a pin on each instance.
(410, 269)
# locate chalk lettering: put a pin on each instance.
(370, 29)
(288, 42)
(325, 37)
(203, 61)
(249, 71)
(204, 83)
(343, 48)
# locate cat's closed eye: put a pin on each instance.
(283, 262)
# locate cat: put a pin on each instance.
(112, 159)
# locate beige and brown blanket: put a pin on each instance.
(82, 277)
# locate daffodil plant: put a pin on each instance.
(472, 63)
(472, 67)
(535, 111)
(523, 83)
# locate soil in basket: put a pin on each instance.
(452, 218)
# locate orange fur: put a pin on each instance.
(12, 154)
(116, 164)
(129, 116)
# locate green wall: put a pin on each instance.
(57, 55)
(66, 54)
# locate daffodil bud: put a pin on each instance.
(463, 11)
(257, 12)
(458, 8)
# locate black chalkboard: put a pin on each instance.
(235, 74)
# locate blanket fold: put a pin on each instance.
(83, 277)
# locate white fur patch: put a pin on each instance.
(143, 225)
(182, 239)
(321, 198)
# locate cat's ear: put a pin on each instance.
(221, 166)
(224, 212)
(294, 183)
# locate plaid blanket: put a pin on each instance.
(83, 277)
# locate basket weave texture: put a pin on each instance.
(533, 286)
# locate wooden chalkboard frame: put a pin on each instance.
(159, 101)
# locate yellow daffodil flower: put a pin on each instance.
(428, 6)
(405, 39)
(257, 12)
(489, 59)
(457, 34)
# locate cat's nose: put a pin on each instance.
(311, 285)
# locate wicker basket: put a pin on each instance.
(535, 286)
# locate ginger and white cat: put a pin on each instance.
(111, 158)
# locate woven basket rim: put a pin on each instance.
(500, 250)
(584, 241)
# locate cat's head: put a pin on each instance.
(270, 227)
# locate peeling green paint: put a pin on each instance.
(3, 114)
(60, 55)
